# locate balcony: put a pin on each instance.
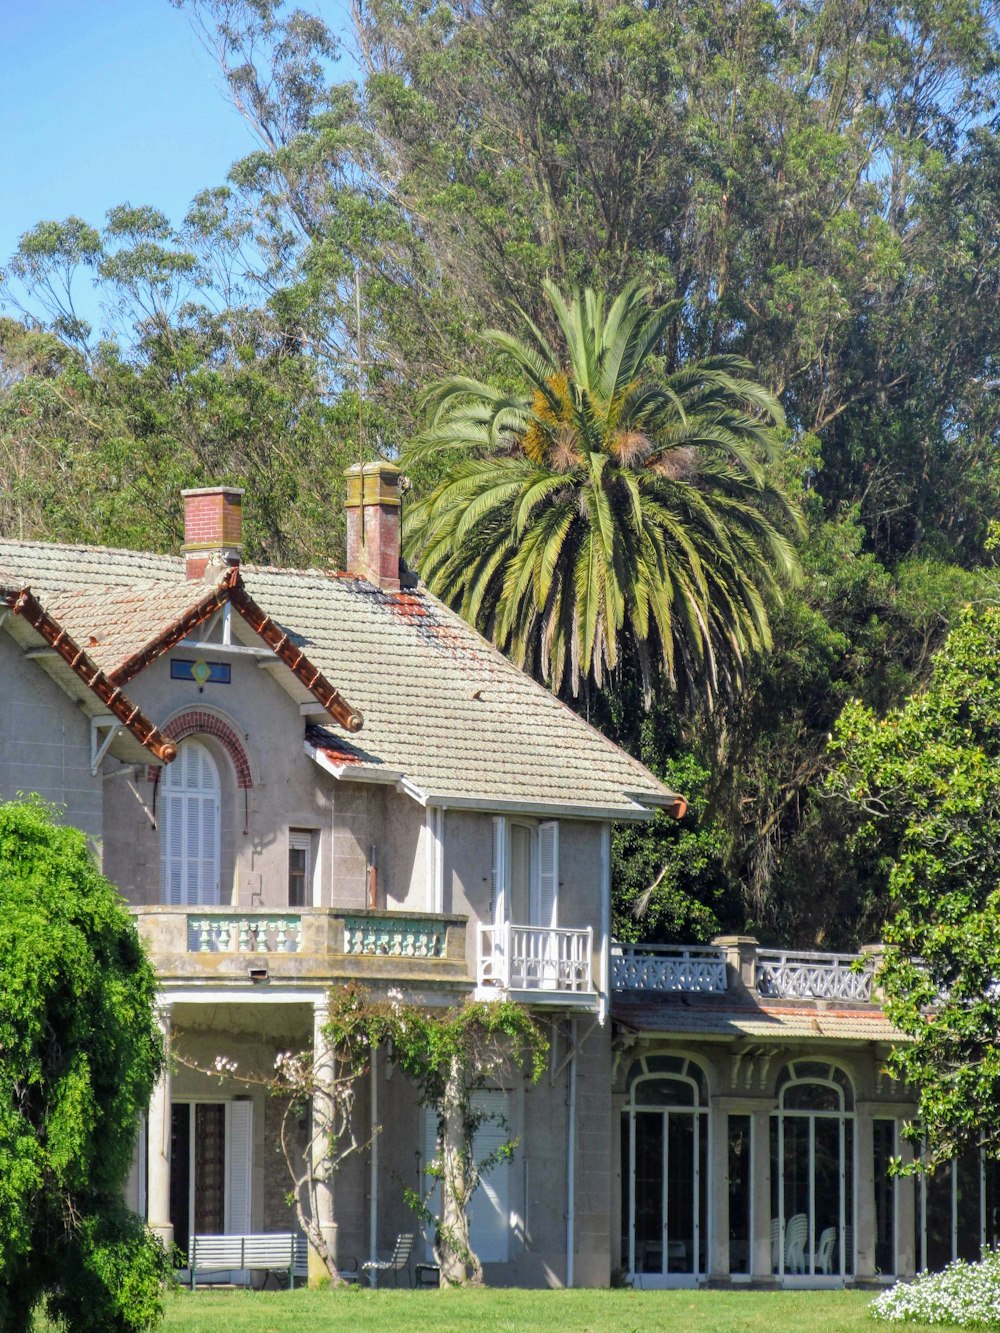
(313, 945)
(537, 964)
(737, 965)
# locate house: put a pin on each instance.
(300, 778)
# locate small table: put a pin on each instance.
(427, 1275)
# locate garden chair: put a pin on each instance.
(775, 1244)
(399, 1261)
(824, 1250)
(796, 1235)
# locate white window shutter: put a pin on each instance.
(499, 870)
(548, 874)
(190, 828)
(489, 1210)
(240, 1166)
(432, 1196)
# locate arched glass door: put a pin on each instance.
(664, 1171)
(812, 1171)
(189, 827)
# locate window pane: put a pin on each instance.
(811, 1097)
(663, 1092)
(680, 1193)
(992, 1172)
(739, 1194)
(938, 1187)
(884, 1149)
(967, 1221)
(298, 867)
(796, 1188)
(649, 1192)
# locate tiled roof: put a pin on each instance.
(441, 705)
(115, 623)
(724, 1017)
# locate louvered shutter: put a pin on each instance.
(189, 833)
(240, 1157)
(431, 1186)
(489, 1211)
(546, 914)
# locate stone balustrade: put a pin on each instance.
(311, 944)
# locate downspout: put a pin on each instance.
(571, 1164)
(373, 1180)
(604, 982)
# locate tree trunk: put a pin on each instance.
(451, 1244)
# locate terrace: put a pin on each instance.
(738, 965)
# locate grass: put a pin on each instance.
(508, 1311)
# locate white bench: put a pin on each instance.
(272, 1251)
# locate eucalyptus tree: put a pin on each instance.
(600, 502)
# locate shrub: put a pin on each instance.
(963, 1295)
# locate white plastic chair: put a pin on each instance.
(825, 1248)
(775, 1244)
(796, 1235)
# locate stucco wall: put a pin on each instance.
(289, 790)
(45, 741)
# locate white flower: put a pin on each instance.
(223, 1065)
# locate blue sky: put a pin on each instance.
(110, 101)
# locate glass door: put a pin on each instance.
(665, 1151)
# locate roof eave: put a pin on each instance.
(351, 771)
(22, 602)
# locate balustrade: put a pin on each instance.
(394, 937)
(785, 974)
(253, 933)
(514, 957)
(668, 967)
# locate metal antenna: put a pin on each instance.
(361, 400)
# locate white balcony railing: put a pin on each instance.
(668, 967)
(812, 976)
(533, 958)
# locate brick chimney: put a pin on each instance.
(213, 530)
(373, 523)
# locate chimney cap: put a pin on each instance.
(213, 490)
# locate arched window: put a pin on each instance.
(665, 1171)
(189, 827)
(812, 1173)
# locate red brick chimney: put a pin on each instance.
(213, 530)
(373, 523)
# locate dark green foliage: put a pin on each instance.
(922, 785)
(80, 1053)
(816, 188)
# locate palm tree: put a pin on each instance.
(605, 502)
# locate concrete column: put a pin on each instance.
(907, 1256)
(158, 1145)
(864, 1192)
(718, 1191)
(741, 963)
(322, 1124)
(761, 1203)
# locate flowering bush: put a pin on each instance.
(963, 1294)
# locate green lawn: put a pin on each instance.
(517, 1311)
